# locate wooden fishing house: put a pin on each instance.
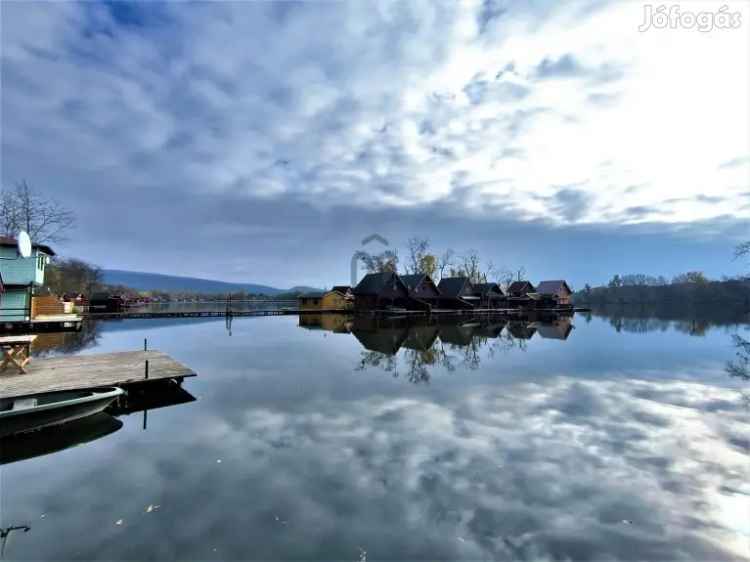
(490, 295)
(554, 294)
(457, 293)
(521, 294)
(379, 291)
(333, 300)
(422, 288)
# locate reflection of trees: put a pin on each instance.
(740, 366)
(67, 342)
(695, 320)
(415, 364)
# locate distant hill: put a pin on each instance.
(158, 282)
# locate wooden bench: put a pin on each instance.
(16, 351)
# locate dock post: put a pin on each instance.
(145, 344)
(146, 372)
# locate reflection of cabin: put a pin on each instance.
(520, 294)
(337, 323)
(104, 302)
(379, 334)
(521, 330)
(328, 300)
(457, 292)
(381, 290)
(556, 330)
(490, 295)
(457, 334)
(554, 293)
(19, 277)
(421, 338)
(422, 287)
(492, 329)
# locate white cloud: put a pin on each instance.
(388, 106)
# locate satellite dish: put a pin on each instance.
(24, 244)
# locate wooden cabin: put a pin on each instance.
(422, 287)
(457, 292)
(521, 294)
(104, 302)
(325, 300)
(383, 335)
(490, 295)
(20, 276)
(553, 294)
(378, 291)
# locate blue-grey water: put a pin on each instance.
(617, 438)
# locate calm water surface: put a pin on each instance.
(623, 437)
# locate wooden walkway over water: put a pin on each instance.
(89, 371)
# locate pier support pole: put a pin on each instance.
(146, 370)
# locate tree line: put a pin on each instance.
(421, 259)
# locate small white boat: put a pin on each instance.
(28, 413)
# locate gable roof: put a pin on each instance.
(375, 283)
(343, 289)
(10, 241)
(412, 281)
(415, 280)
(552, 287)
(315, 295)
(452, 286)
(484, 288)
(520, 286)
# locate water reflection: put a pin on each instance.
(562, 444)
(694, 320)
(53, 439)
(410, 346)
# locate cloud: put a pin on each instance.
(239, 106)
(596, 470)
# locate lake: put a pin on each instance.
(617, 436)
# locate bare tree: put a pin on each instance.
(445, 262)
(379, 263)
(418, 248)
(44, 219)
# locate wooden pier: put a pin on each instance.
(80, 372)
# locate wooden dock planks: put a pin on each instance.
(89, 371)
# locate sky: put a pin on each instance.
(263, 141)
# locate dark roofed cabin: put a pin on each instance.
(490, 295)
(380, 290)
(521, 294)
(457, 292)
(554, 294)
(422, 287)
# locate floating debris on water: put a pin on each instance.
(152, 507)
(118, 522)
(42, 516)
(627, 521)
(362, 554)
(218, 461)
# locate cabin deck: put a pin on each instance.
(79, 372)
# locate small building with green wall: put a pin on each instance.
(19, 277)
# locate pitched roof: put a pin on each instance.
(343, 289)
(412, 281)
(315, 295)
(484, 288)
(374, 283)
(552, 287)
(518, 286)
(10, 241)
(452, 286)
